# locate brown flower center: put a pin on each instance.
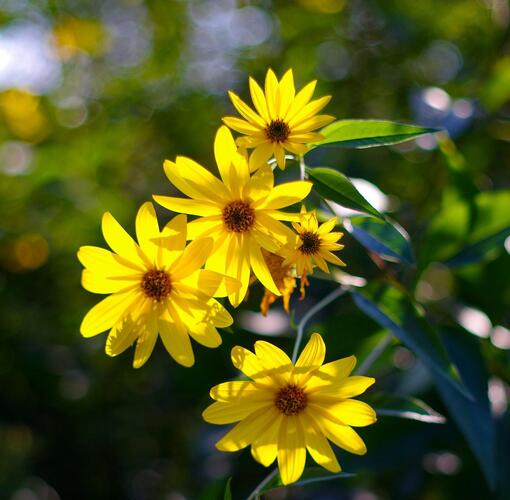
(311, 243)
(291, 400)
(156, 284)
(238, 216)
(277, 131)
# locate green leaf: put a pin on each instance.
(388, 240)
(368, 133)
(480, 250)
(459, 226)
(334, 186)
(473, 416)
(310, 475)
(228, 491)
(388, 405)
(395, 311)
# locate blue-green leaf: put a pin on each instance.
(387, 240)
(334, 186)
(368, 133)
(473, 416)
(228, 491)
(394, 310)
(388, 405)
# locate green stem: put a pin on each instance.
(314, 310)
(254, 495)
(377, 351)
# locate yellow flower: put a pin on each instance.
(288, 409)
(283, 278)
(241, 213)
(313, 244)
(283, 120)
(157, 286)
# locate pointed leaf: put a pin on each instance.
(473, 416)
(394, 310)
(388, 240)
(334, 186)
(228, 491)
(368, 133)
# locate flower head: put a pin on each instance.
(283, 120)
(312, 245)
(286, 409)
(241, 213)
(156, 287)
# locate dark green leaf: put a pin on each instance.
(479, 250)
(310, 475)
(404, 407)
(368, 133)
(473, 416)
(334, 186)
(386, 239)
(394, 310)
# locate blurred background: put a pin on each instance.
(94, 95)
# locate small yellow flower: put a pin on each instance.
(288, 409)
(283, 120)
(283, 278)
(241, 214)
(157, 286)
(312, 245)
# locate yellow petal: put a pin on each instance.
(347, 388)
(106, 263)
(328, 226)
(287, 92)
(351, 412)
(147, 231)
(120, 241)
(343, 436)
(246, 431)
(311, 109)
(203, 184)
(260, 269)
(187, 206)
(172, 241)
(212, 283)
(204, 333)
(240, 389)
(313, 123)
(291, 450)
(245, 111)
(245, 361)
(205, 226)
(226, 413)
(96, 283)
(301, 100)
(146, 341)
(265, 448)
(224, 150)
(260, 184)
(267, 225)
(287, 194)
(241, 126)
(279, 154)
(317, 445)
(259, 100)
(275, 362)
(260, 155)
(237, 265)
(176, 340)
(331, 373)
(271, 86)
(312, 355)
(296, 148)
(108, 312)
(193, 258)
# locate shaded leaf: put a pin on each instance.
(394, 310)
(473, 416)
(480, 250)
(310, 475)
(334, 186)
(404, 407)
(388, 240)
(368, 133)
(228, 491)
